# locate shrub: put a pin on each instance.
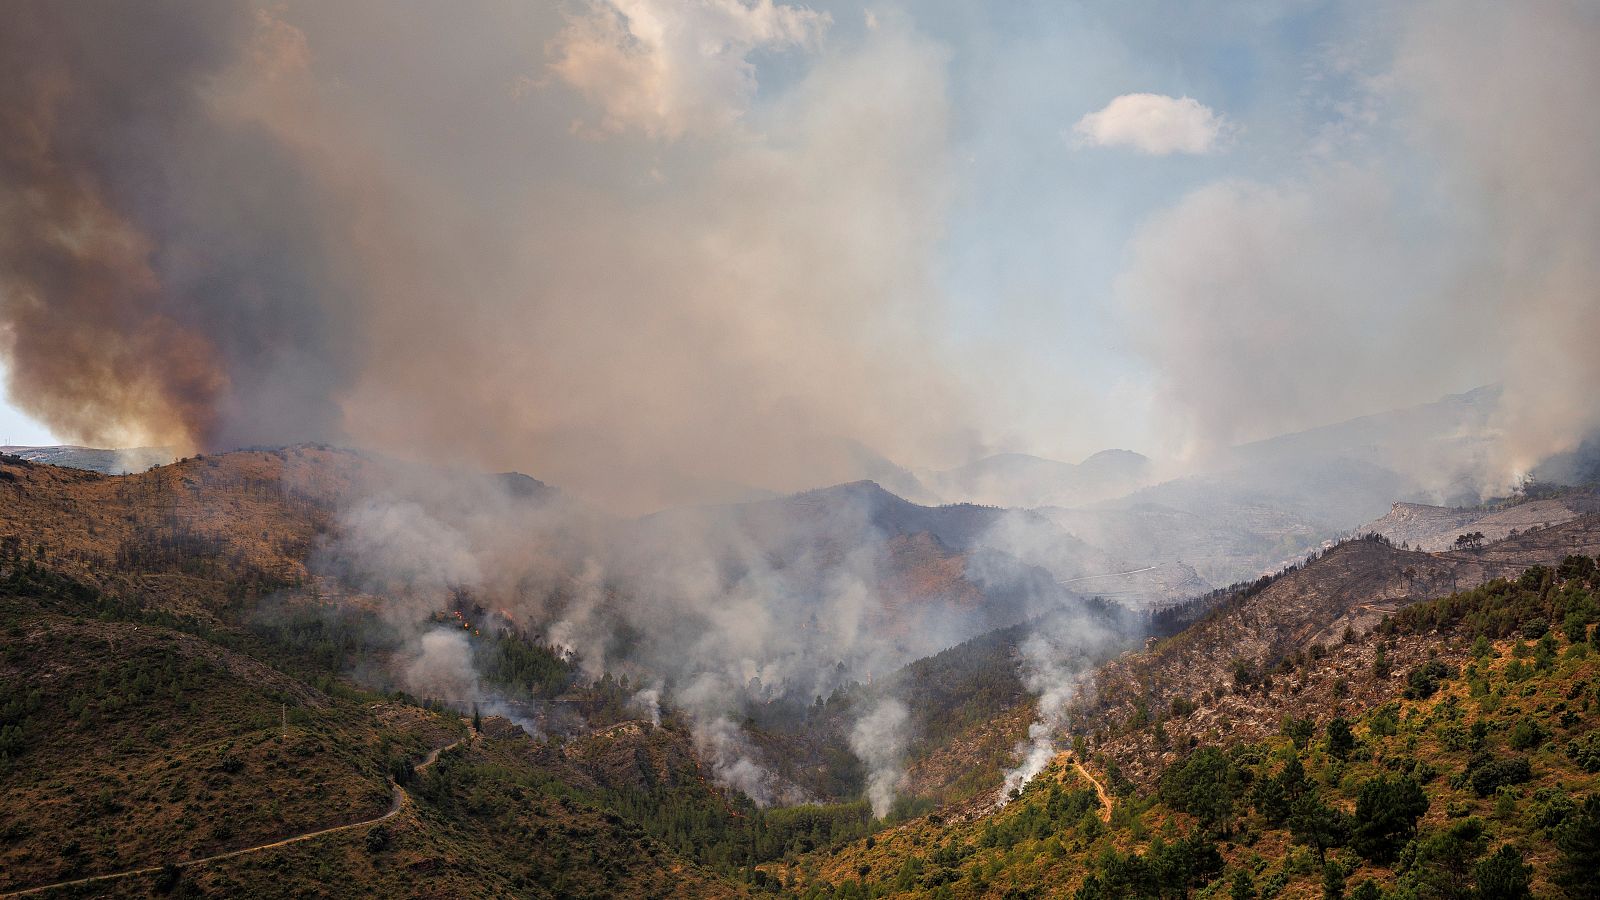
(1422, 682)
(1551, 807)
(1488, 774)
(1526, 735)
(167, 879)
(1585, 751)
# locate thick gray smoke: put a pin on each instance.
(740, 608)
(584, 241)
(441, 667)
(647, 703)
(597, 247)
(223, 224)
(1505, 98)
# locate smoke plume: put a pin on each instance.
(878, 740)
(1056, 657)
(167, 273)
(1504, 97)
(219, 227)
(1368, 279)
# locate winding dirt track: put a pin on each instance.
(1100, 791)
(400, 801)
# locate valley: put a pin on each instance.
(204, 690)
(799, 448)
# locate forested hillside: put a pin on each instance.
(1481, 779)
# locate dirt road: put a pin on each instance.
(1099, 790)
(401, 799)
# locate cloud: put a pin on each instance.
(1154, 124)
(669, 68)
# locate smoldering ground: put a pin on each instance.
(718, 614)
(731, 615)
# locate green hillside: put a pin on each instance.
(1484, 781)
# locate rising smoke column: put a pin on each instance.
(165, 274)
(878, 739)
(1052, 668)
(1504, 95)
(224, 225)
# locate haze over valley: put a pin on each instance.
(743, 447)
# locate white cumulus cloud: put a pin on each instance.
(668, 68)
(1154, 124)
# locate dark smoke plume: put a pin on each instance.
(165, 274)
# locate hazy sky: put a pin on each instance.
(671, 238)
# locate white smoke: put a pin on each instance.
(441, 667)
(581, 632)
(1036, 753)
(397, 548)
(648, 703)
(878, 739)
(1054, 666)
(733, 761)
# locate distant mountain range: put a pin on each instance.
(1106, 526)
(92, 459)
(1021, 480)
(1248, 510)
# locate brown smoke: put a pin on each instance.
(162, 273)
(315, 222)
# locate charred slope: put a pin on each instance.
(1436, 528)
(1251, 645)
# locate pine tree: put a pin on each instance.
(1332, 881)
(1387, 810)
(1503, 876)
(1579, 840)
(1341, 740)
